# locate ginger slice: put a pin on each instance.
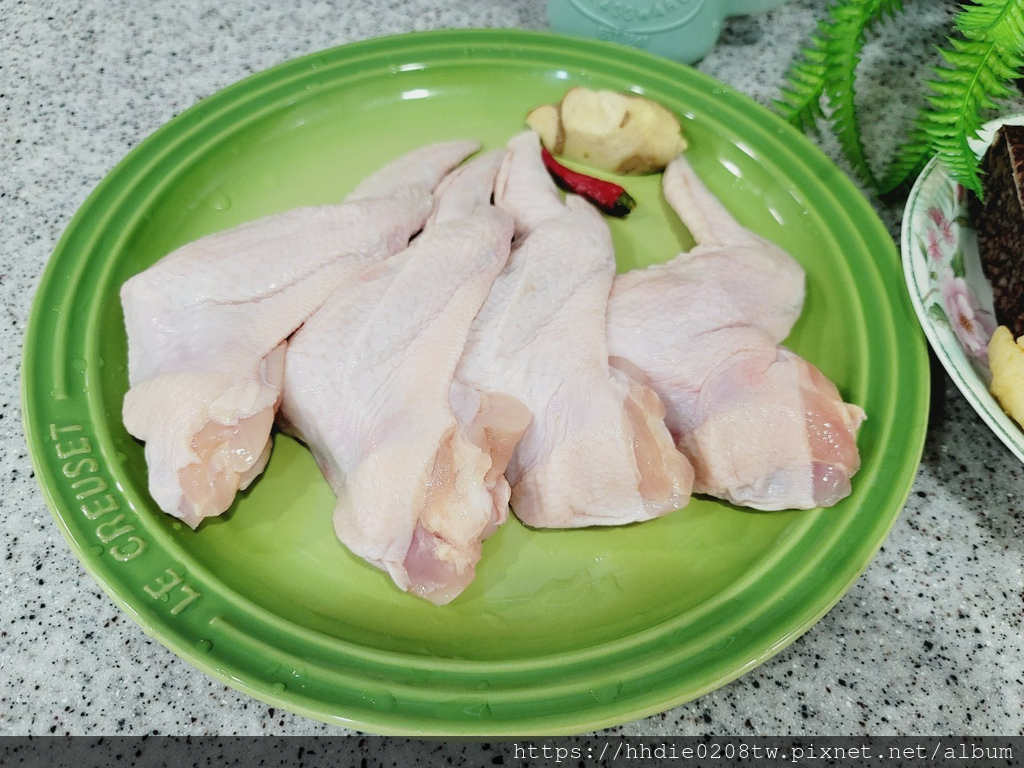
(610, 131)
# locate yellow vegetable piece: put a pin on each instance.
(1006, 361)
(610, 131)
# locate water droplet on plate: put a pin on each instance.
(460, 708)
(220, 202)
(79, 364)
(382, 702)
(607, 694)
(478, 710)
(204, 646)
(279, 687)
(96, 550)
(724, 643)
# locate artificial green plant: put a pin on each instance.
(982, 60)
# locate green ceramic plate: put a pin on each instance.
(562, 631)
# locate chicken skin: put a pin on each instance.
(416, 459)
(597, 451)
(762, 427)
(207, 327)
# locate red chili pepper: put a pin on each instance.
(606, 195)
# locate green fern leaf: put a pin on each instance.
(891, 8)
(911, 158)
(825, 72)
(979, 70)
(997, 20)
(805, 82)
(849, 23)
(800, 104)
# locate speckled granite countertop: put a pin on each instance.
(928, 641)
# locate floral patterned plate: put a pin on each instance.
(948, 289)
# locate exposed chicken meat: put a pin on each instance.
(597, 451)
(416, 459)
(207, 326)
(762, 427)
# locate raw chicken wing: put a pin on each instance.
(207, 327)
(597, 451)
(416, 459)
(762, 427)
